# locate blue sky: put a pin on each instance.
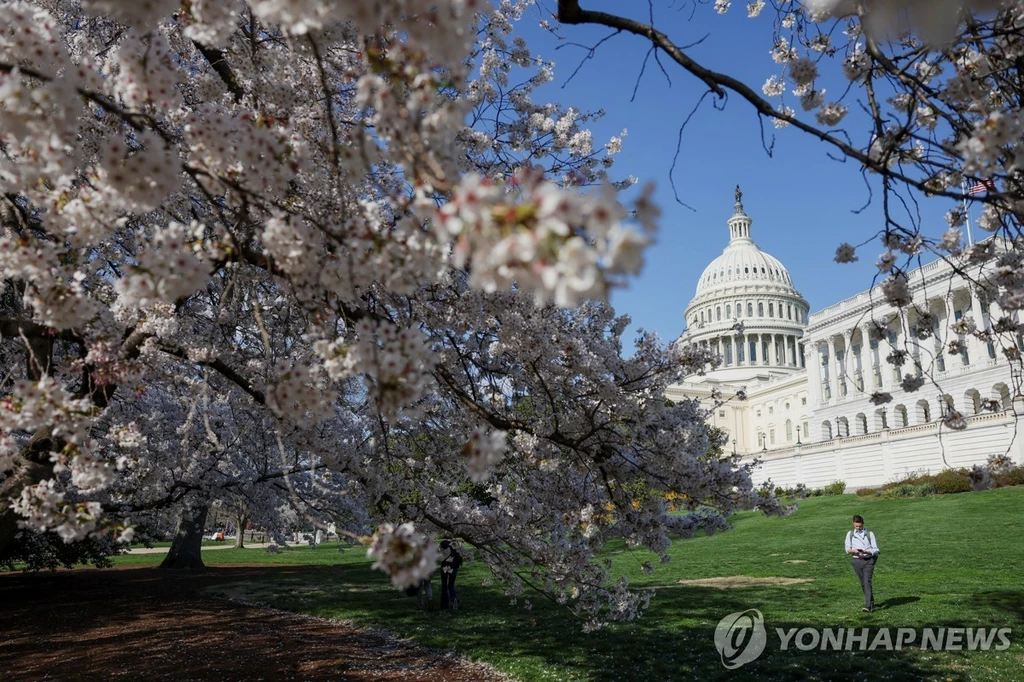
(802, 202)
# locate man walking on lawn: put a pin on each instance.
(861, 543)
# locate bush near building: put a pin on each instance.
(945, 482)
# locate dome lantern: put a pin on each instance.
(739, 224)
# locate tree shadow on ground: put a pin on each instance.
(674, 640)
(155, 625)
(98, 621)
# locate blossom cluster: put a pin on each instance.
(44, 509)
(560, 244)
(394, 360)
(483, 451)
(404, 554)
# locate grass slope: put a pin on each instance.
(949, 561)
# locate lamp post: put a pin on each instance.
(734, 446)
(798, 436)
(764, 442)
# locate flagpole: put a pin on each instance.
(967, 214)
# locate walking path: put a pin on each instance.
(206, 548)
(146, 624)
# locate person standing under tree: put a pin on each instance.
(861, 543)
(450, 562)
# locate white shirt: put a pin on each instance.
(862, 539)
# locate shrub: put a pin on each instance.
(951, 481)
(1012, 477)
(867, 492)
(902, 490)
(835, 488)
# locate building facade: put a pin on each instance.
(807, 379)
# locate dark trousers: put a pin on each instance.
(865, 568)
(448, 587)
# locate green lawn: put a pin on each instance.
(950, 561)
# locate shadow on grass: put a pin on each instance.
(1010, 602)
(674, 640)
(898, 601)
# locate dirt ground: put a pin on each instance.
(146, 624)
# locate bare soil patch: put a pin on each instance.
(734, 581)
(147, 624)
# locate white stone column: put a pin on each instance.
(981, 355)
(868, 366)
(813, 362)
(833, 379)
(848, 364)
(951, 335)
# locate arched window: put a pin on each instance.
(862, 424)
(826, 430)
(789, 311)
(771, 310)
(900, 411)
(789, 430)
(760, 309)
(718, 313)
(843, 427)
(750, 310)
(972, 401)
(881, 420)
(728, 312)
(1001, 393)
(923, 412)
(702, 317)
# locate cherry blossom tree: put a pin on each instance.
(332, 251)
(926, 97)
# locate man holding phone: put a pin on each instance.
(861, 543)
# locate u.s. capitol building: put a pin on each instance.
(808, 377)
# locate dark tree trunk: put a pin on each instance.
(186, 548)
(240, 523)
(31, 466)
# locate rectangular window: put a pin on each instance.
(771, 436)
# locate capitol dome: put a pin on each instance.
(747, 309)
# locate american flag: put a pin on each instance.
(980, 186)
